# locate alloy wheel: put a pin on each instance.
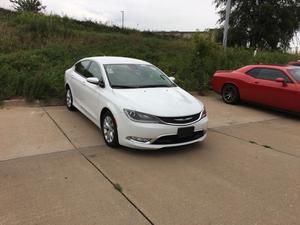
(230, 94)
(108, 129)
(69, 98)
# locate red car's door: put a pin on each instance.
(249, 90)
(273, 93)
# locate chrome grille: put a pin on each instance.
(180, 120)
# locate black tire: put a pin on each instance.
(109, 129)
(69, 100)
(230, 94)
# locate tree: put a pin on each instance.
(28, 5)
(266, 24)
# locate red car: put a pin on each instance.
(275, 86)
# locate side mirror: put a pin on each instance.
(92, 80)
(95, 80)
(172, 79)
(281, 80)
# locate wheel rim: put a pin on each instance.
(229, 94)
(69, 98)
(108, 129)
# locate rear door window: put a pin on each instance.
(254, 72)
(82, 68)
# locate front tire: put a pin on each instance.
(69, 100)
(230, 94)
(109, 129)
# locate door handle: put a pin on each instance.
(83, 83)
(72, 76)
(256, 82)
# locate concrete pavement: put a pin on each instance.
(61, 172)
(281, 134)
(60, 188)
(210, 183)
(76, 126)
(222, 114)
(26, 131)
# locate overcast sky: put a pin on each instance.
(186, 15)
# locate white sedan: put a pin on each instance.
(134, 103)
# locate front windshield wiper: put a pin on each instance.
(155, 85)
(143, 86)
(124, 86)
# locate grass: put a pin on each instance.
(209, 57)
(118, 187)
(268, 146)
(35, 50)
(265, 146)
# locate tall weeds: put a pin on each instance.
(35, 51)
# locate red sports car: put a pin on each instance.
(275, 86)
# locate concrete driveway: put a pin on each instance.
(55, 169)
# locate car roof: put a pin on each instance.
(270, 66)
(115, 60)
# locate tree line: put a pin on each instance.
(263, 24)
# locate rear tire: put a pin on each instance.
(109, 129)
(230, 94)
(69, 100)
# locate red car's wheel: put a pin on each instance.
(230, 94)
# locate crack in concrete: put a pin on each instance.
(37, 155)
(98, 169)
(263, 146)
(242, 124)
(49, 153)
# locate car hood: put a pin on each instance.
(165, 102)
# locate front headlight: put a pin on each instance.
(203, 114)
(140, 117)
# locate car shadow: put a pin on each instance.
(275, 111)
(267, 109)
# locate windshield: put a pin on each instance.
(136, 76)
(295, 72)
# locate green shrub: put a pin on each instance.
(209, 57)
(35, 51)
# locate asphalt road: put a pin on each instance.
(56, 169)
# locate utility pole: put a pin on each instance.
(226, 25)
(122, 18)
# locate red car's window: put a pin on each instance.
(272, 74)
(295, 73)
(253, 72)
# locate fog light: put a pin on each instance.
(139, 139)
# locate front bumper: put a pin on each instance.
(161, 135)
